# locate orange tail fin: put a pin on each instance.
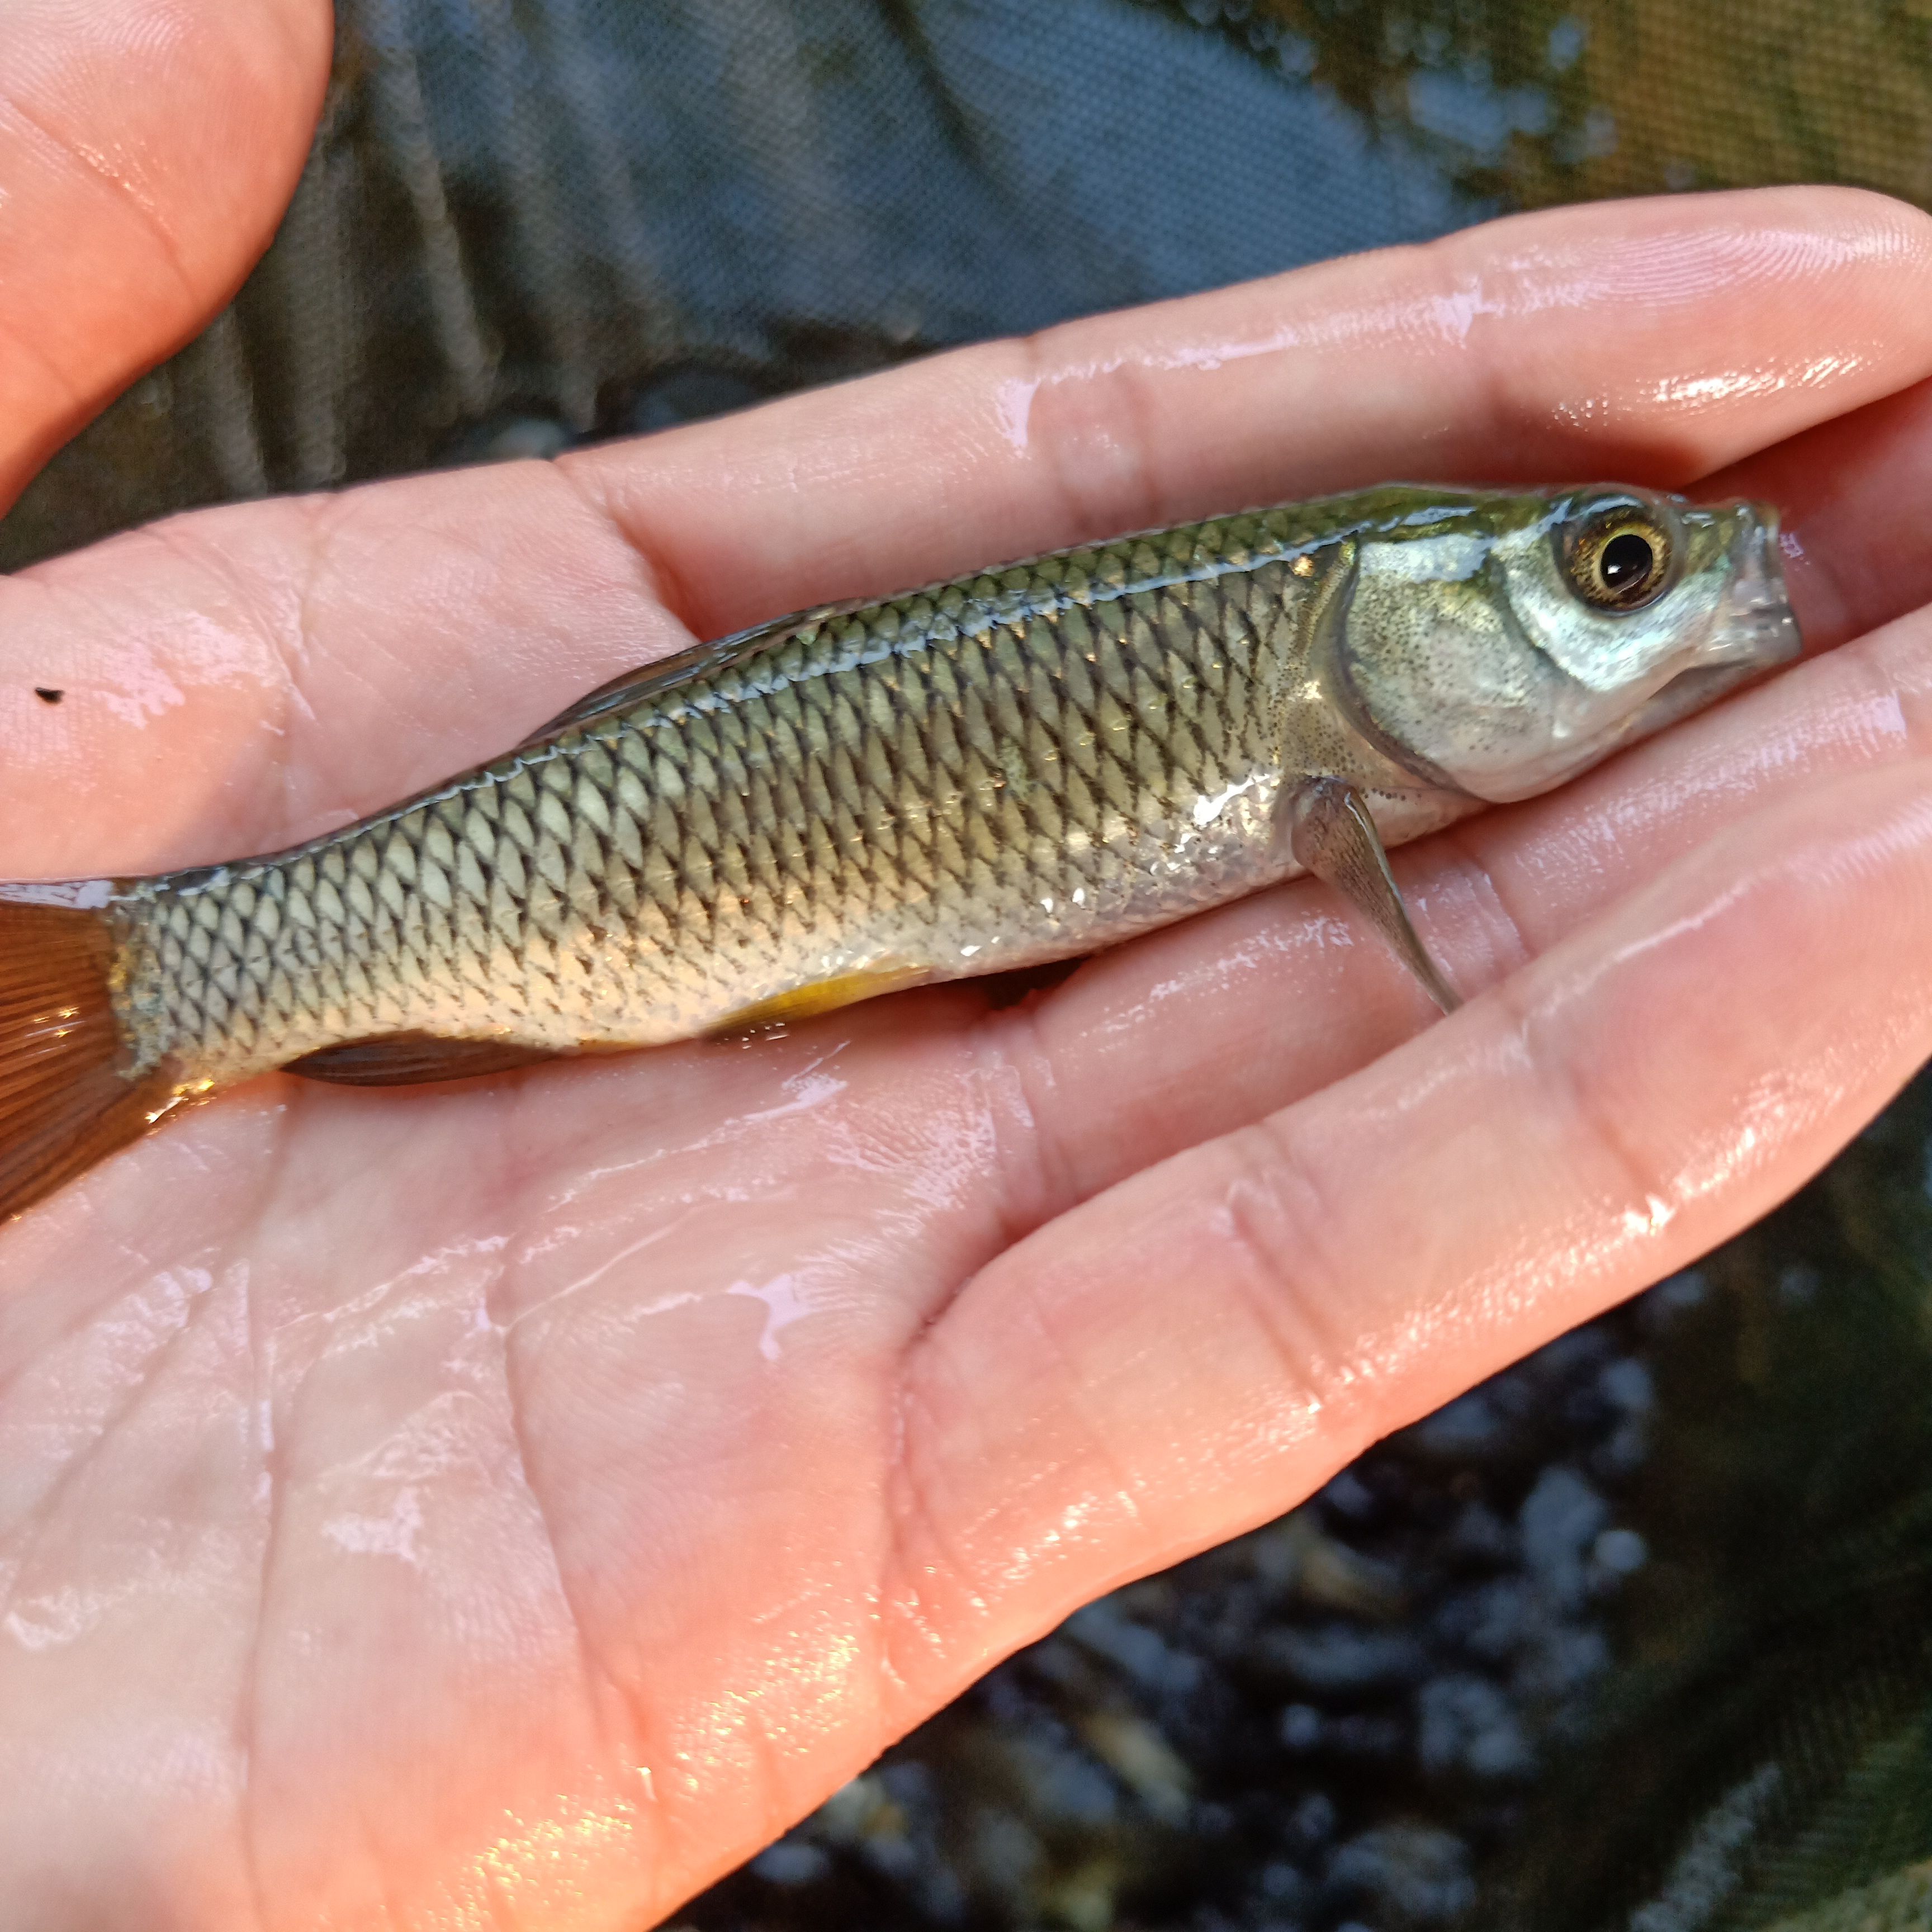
(65, 1103)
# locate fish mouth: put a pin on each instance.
(1752, 632)
(1755, 627)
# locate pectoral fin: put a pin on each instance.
(1326, 824)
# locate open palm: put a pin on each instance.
(511, 1504)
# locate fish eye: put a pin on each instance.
(1619, 560)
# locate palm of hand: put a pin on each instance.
(512, 1504)
(422, 1468)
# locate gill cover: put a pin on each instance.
(1511, 643)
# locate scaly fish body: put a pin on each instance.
(1018, 767)
(989, 775)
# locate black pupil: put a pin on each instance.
(1626, 561)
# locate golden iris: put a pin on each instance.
(1620, 561)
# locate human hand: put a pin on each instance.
(514, 1504)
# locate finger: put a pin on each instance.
(1853, 491)
(147, 149)
(1652, 341)
(1196, 1350)
(1198, 1029)
(241, 679)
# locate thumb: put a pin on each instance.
(147, 150)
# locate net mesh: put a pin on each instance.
(1636, 1635)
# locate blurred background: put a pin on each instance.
(1638, 1635)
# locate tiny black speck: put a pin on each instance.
(47, 696)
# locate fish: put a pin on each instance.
(1023, 765)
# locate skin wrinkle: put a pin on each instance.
(1279, 1219)
(276, 609)
(273, 773)
(473, 545)
(1558, 1092)
(554, 1300)
(273, 1185)
(1541, 1009)
(53, 1500)
(1507, 944)
(916, 1542)
(94, 167)
(1036, 1180)
(251, 1678)
(177, 538)
(83, 1318)
(312, 1099)
(872, 1655)
(767, 1773)
(597, 1675)
(497, 1305)
(908, 1496)
(980, 1585)
(1122, 1484)
(299, 650)
(1111, 409)
(657, 580)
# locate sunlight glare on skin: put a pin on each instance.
(554, 1872)
(1670, 269)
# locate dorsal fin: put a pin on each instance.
(631, 687)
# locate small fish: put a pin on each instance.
(1018, 767)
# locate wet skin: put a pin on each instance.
(512, 1505)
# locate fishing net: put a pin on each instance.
(1634, 1636)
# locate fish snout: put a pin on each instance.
(1754, 628)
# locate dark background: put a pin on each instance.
(1637, 1635)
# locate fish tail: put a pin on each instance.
(67, 1098)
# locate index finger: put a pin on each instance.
(1648, 341)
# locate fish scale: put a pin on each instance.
(988, 773)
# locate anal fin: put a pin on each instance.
(414, 1059)
(822, 996)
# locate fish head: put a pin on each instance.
(1498, 645)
